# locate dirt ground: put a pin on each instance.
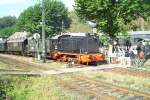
(52, 67)
(133, 72)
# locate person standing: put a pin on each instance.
(128, 44)
(147, 49)
(141, 49)
(139, 45)
(110, 49)
(132, 56)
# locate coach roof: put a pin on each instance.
(18, 37)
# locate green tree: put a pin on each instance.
(112, 16)
(77, 25)
(7, 25)
(7, 21)
(7, 31)
(55, 14)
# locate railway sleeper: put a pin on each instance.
(112, 86)
(87, 90)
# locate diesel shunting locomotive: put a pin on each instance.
(77, 47)
(70, 47)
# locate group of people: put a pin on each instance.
(117, 55)
(125, 55)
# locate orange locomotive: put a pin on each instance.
(78, 48)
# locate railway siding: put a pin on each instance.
(87, 91)
(112, 86)
(25, 63)
(101, 89)
(41, 69)
(19, 72)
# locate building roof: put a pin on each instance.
(145, 35)
(3, 36)
(2, 42)
(138, 32)
(3, 39)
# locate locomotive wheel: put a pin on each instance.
(64, 58)
(72, 60)
(93, 63)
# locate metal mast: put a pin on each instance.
(62, 26)
(43, 32)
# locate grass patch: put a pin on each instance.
(36, 88)
(5, 66)
(33, 88)
(147, 66)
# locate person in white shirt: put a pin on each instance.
(110, 53)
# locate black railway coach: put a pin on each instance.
(17, 43)
(3, 46)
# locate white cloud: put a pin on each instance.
(14, 13)
(11, 2)
(69, 4)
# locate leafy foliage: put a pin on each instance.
(139, 25)
(55, 12)
(7, 21)
(77, 25)
(7, 31)
(112, 16)
(24, 87)
(5, 87)
(7, 25)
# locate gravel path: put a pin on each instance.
(72, 70)
(26, 64)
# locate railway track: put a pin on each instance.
(102, 90)
(28, 66)
(21, 64)
(18, 72)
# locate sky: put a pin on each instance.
(15, 7)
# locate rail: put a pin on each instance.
(112, 86)
(88, 91)
(18, 72)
